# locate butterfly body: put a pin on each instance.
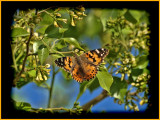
(85, 66)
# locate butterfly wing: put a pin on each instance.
(77, 73)
(96, 56)
(87, 70)
(65, 62)
(91, 71)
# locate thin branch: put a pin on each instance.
(51, 89)
(25, 59)
(50, 109)
(46, 9)
(69, 52)
(97, 99)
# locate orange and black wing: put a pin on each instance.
(65, 62)
(96, 56)
(79, 75)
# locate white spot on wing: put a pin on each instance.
(97, 51)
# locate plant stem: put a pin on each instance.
(96, 100)
(25, 59)
(51, 89)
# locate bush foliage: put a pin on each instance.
(41, 36)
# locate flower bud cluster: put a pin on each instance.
(141, 82)
(127, 62)
(43, 72)
(77, 108)
(142, 35)
(111, 23)
(77, 14)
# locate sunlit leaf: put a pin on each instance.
(23, 106)
(18, 32)
(35, 47)
(105, 79)
(62, 30)
(74, 42)
(32, 73)
(43, 53)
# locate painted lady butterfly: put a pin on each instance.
(85, 66)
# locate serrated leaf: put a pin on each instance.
(74, 42)
(32, 73)
(18, 32)
(43, 53)
(129, 17)
(118, 88)
(52, 32)
(105, 79)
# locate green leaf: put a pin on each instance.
(18, 32)
(94, 85)
(62, 30)
(60, 44)
(35, 47)
(137, 14)
(135, 73)
(53, 32)
(23, 82)
(83, 88)
(105, 79)
(74, 42)
(43, 53)
(118, 88)
(112, 54)
(32, 73)
(46, 19)
(41, 28)
(129, 17)
(23, 106)
(142, 62)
